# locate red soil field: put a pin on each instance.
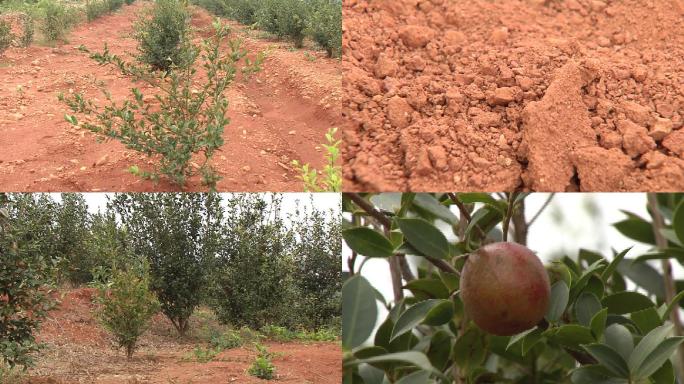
(79, 351)
(492, 95)
(279, 115)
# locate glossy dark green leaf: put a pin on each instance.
(598, 323)
(368, 242)
(421, 312)
(429, 203)
(439, 351)
(658, 357)
(664, 375)
(620, 339)
(647, 319)
(609, 358)
(626, 302)
(417, 359)
(647, 345)
(636, 229)
(559, 300)
(425, 237)
(359, 311)
(470, 350)
(608, 272)
(586, 306)
(644, 276)
(570, 335)
(594, 374)
(419, 377)
(428, 288)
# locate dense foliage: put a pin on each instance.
(25, 270)
(240, 254)
(598, 328)
(320, 20)
(163, 36)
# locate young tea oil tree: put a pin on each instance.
(127, 305)
(72, 231)
(25, 272)
(176, 234)
(329, 179)
(164, 38)
(184, 121)
(483, 309)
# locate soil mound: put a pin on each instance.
(543, 95)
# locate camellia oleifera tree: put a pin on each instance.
(176, 233)
(26, 272)
(479, 307)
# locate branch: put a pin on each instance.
(509, 214)
(465, 214)
(670, 287)
(543, 207)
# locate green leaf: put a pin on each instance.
(570, 335)
(658, 357)
(559, 300)
(664, 375)
(647, 345)
(429, 203)
(609, 358)
(417, 314)
(485, 198)
(419, 377)
(359, 311)
(370, 375)
(470, 350)
(671, 236)
(425, 237)
(71, 119)
(620, 339)
(636, 229)
(367, 242)
(417, 359)
(644, 276)
(594, 374)
(440, 314)
(515, 338)
(598, 323)
(647, 319)
(626, 302)
(586, 306)
(428, 289)
(674, 303)
(608, 272)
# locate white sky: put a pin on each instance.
(581, 227)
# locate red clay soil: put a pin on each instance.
(78, 351)
(280, 114)
(494, 95)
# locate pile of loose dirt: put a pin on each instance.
(79, 351)
(547, 95)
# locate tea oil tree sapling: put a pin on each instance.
(187, 119)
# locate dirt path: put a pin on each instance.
(280, 114)
(79, 351)
(546, 95)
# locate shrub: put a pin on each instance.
(113, 5)
(95, 9)
(28, 29)
(217, 7)
(227, 340)
(129, 2)
(262, 367)
(6, 36)
(188, 120)
(325, 25)
(285, 18)
(163, 37)
(127, 305)
(204, 355)
(244, 11)
(331, 180)
(57, 21)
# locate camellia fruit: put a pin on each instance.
(505, 288)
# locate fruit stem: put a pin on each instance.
(509, 214)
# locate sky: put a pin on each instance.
(570, 222)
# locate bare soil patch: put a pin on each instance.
(492, 95)
(79, 351)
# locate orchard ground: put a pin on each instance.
(278, 115)
(78, 350)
